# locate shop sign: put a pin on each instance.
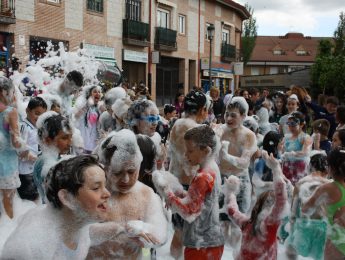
(205, 63)
(22, 40)
(238, 68)
(135, 56)
(98, 51)
(218, 74)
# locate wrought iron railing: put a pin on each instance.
(135, 30)
(165, 36)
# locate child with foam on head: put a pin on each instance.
(131, 201)
(320, 135)
(11, 144)
(28, 131)
(296, 148)
(202, 234)
(259, 231)
(329, 199)
(87, 116)
(55, 138)
(77, 197)
(292, 105)
(307, 236)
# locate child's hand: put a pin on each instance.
(232, 184)
(270, 161)
(224, 150)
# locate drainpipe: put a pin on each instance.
(198, 62)
(149, 74)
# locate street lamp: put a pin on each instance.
(210, 33)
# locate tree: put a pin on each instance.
(249, 34)
(328, 72)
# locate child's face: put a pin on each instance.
(292, 105)
(171, 115)
(279, 104)
(96, 95)
(294, 127)
(194, 154)
(331, 108)
(233, 118)
(56, 108)
(93, 195)
(63, 141)
(148, 123)
(33, 114)
(123, 180)
(336, 142)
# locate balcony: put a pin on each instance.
(7, 12)
(165, 39)
(228, 53)
(135, 33)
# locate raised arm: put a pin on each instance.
(243, 161)
(279, 186)
(190, 207)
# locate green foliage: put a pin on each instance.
(328, 72)
(249, 34)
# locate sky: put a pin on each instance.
(310, 17)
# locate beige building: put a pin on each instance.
(160, 42)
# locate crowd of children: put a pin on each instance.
(250, 170)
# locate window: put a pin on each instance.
(206, 34)
(95, 6)
(278, 52)
(301, 53)
(226, 36)
(273, 70)
(182, 24)
(254, 71)
(53, 1)
(163, 18)
(133, 10)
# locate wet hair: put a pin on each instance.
(336, 162)
(76, 77)
(332, 100)
(202, 136)
(253, 91)
(322, 126)
(260, 202)
(135, 112)
(194, 101)
(69, 175)
(6, 84)
(149, 153)
(52, 126)
(271, 141)
(242, 92)
(117, 148)
(168, 108)
(318, 162)
(238, 104)
(37, 102)
(340, 115)
(298, 117)
(341, 136)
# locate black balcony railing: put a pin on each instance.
(7, 12)
(228, 52)
(135, 30)
(165, 38)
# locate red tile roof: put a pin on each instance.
(240, 9)
(264, 46)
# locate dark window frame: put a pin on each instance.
(96, 6)
(133, 10)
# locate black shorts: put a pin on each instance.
(176, 219)
(27, 189)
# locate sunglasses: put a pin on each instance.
(153, 119)
(292, 123)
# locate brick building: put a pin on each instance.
(161, 42)
(280, 61)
